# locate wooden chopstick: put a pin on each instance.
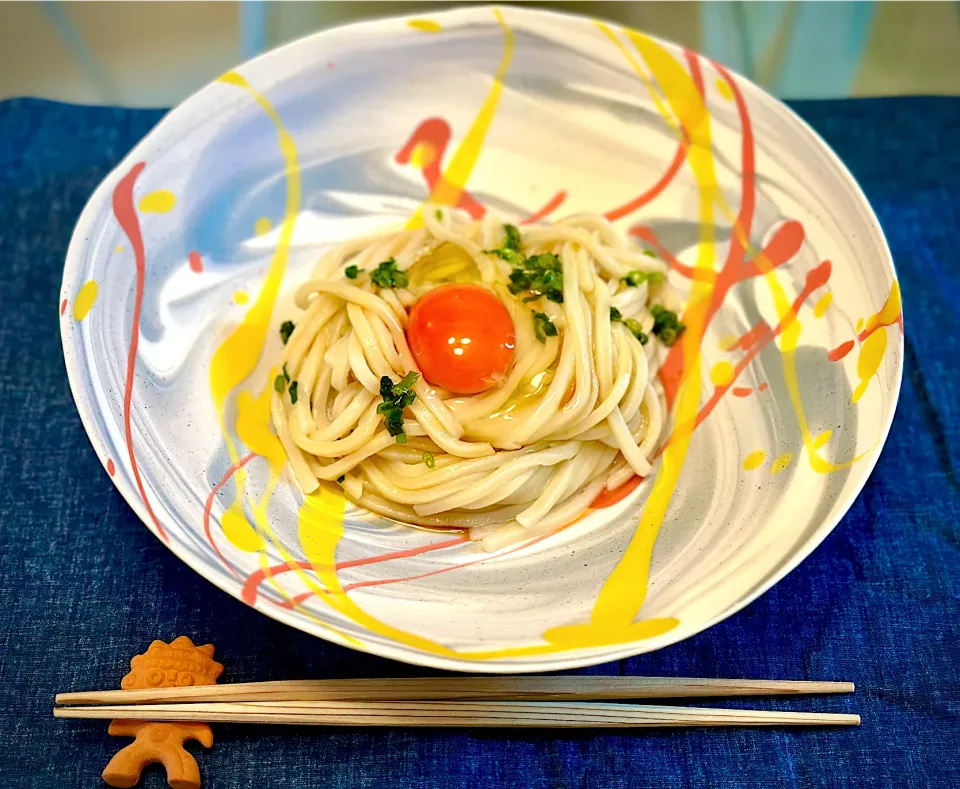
(461, 689)
(488, 714)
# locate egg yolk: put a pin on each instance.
(462, 337)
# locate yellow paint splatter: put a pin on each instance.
(425, 25)
(724, 89)
(781, 463)
(158, 202)
(821, 307)
(85, 299)
(647, 82)
(820, 441)
(789, 340)
(241, 297)
(253, 426)
(262, 226)
(623, 594)
(875, 345)
(423, 155)
(889, 312)
(237, 358)
(451, 185)
(871, 355)
(754, 460)
(119, 248)
(238, 355)
(729, 342)
(722, 374)
(859, 327)
(238, 530)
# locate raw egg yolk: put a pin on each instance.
(462, 338)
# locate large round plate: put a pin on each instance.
(784, 388)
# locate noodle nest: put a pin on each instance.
(579, 411)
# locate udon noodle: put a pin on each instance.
(579, 410)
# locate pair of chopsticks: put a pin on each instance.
(514, 702)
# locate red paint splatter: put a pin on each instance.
(753, 336)
(741, 391)
(252, 584)
(329, 64)
(734, 269)
(763, 387)
(607, 498)
(111, 467)
(647, 235)
(63, 307)
(782, 246)
(297, 599)
(434, 135)
(840, 351)
(679, 156)
(551, 205)
(695, 70)
(196, 262)
(208, 507)
(816, 278)
(882, 325)
(654, 191)
(126, 216)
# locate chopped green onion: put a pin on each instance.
(655, 277)
(666, 325)
(341, 478)
(351, 272)
(438, 214)
(519, 279)
(406, 383)
(547, 261)
(635, 278)
(636, 329)
(386, 275)
(649, 253)
(615, 315)
(428, 460)
(286, 329)
(286, 375)
(542, 275)
(543, 327)
(396, 397)
(386, 387)
(279, 384)
(510, 249)
(293, 392)
(511, 238)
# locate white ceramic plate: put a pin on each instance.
(793, 355)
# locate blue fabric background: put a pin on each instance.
(84, 586)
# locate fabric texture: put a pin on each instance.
(84, 586)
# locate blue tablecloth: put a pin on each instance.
(84, 586)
